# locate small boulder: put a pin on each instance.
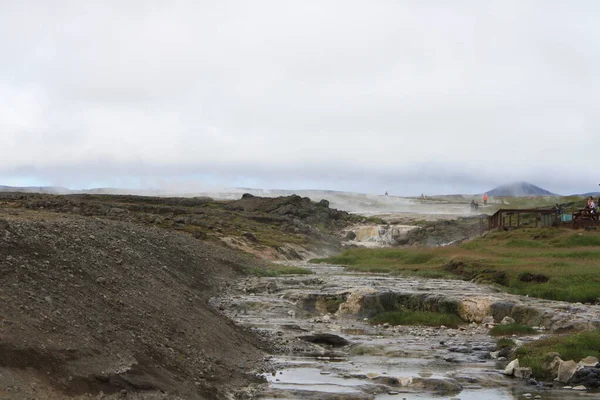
(566, 370)
(589, 362)
(510, 368)
(523, 372)
(326, 338)
(251, 237)
(552, 363)
(351, 235)
(323, 203)
(507, 321)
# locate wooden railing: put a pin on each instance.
(523, 218)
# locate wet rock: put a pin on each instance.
(580, 388)
(510, 368)
(326, 339)
(522, 373)
(351, 235)
(551, 363)
(460, 349)
(441, 387)
(586, 376)
(566, 370)
(589, 362)
(354, 302)
(474, 308)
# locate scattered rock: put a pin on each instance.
(586, 376)
(351, 235)
(551, 363)
(507, 321)
(251, 237)
(589, 362)
(522, 372)
(326, 338)
(566, 370)
(510, 368)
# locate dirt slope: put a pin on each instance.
(281, 228)
(115, 309)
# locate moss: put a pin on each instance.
(570, 347)
(512, 329)
(417, 318)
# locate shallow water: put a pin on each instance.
(283, 310)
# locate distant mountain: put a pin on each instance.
(593, 194)
(519, 189)
(34, 189)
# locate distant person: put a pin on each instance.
(591, 207)
(422, 196)
(590, 203)
(485, 199)
(559, 209)
(386, 193)
(474, 205)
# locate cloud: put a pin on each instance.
(344, 94)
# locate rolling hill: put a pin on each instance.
(519, 189)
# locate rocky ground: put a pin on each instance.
(110, 297)
(326, 349)
(101, 308)
(281, 228)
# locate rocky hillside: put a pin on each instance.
(272, 228)
(106, 308)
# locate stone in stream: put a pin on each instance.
(566, 370)
(589, 362)
(586, 376)
(326, 338)
(523, 373)
(510, 368)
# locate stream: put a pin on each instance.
(325, 347)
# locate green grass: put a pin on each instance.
(277, 270)
(569, 347)
(549, 263)
(417, 318)
(512, 329)
(505, 342)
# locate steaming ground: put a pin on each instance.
(432, 208)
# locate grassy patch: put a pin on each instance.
(512, 329)
(569, 347)
(505, 343)
(549, 263)
(277, 270)
(524, 243)
(417, 318)
(332, 304)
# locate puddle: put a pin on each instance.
(480, 394)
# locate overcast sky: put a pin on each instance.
(406, 96)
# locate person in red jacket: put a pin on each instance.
(485, 199)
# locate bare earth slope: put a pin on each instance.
(115, 309)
